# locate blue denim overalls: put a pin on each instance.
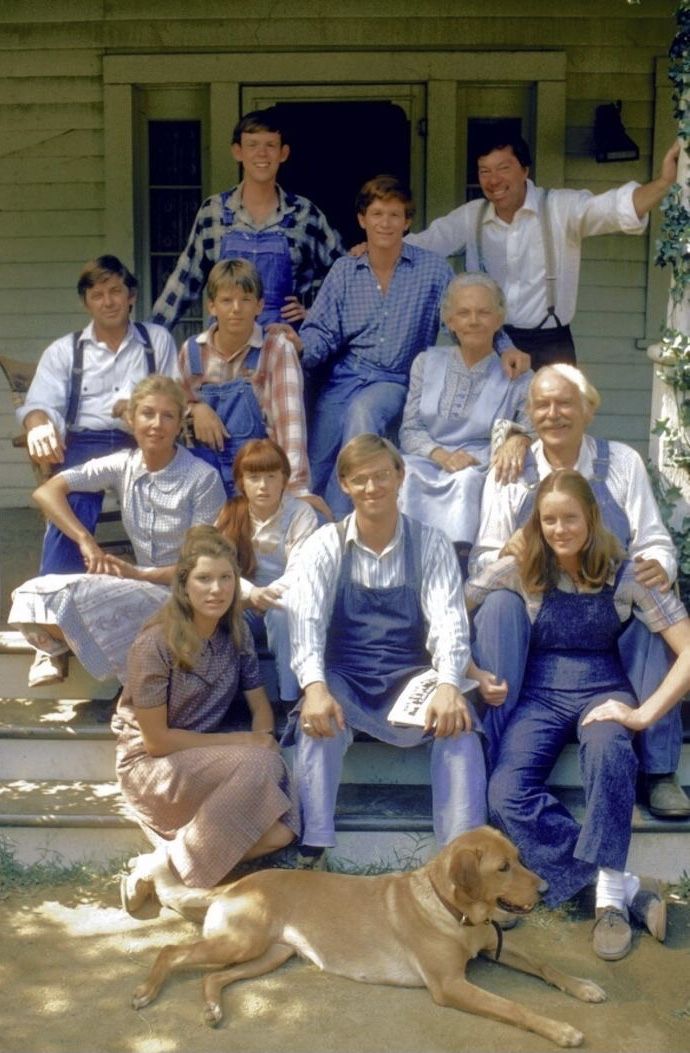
(238, 408)
(269, 251)
(376, 641)
(503, 636)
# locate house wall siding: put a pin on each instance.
(52, 135)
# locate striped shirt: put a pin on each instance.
(278, 386)
(312, 243)
(310, 601)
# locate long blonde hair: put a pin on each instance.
(177, 616)
(601, 553)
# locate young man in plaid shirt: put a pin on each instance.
(285, 236)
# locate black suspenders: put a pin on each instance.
(78, 368)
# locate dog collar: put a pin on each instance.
(463, 919)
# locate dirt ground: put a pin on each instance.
(70, 958)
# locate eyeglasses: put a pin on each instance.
(380, 478)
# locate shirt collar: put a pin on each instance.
(531, 204)
(286, 203)
(88, 335)
(407, 254)
(208, 336)
(166, 479)
(352, 536)
(583, 464)
(271, 519)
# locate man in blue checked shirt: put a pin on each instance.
(373, 314)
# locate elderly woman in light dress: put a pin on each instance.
(462, 413)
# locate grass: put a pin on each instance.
(51, 870)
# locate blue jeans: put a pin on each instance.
(458, 783)
(342, 411)
(502, 635)
(60, 554)
(550, 841)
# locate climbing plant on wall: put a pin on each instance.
(673, 250)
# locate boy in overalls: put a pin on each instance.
(285, 236)
(242, 385)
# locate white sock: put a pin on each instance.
(616, 888)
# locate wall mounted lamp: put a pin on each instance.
(611, 141)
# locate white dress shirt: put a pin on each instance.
(513, 253)
(108, 377)
(310, 601)
(628, 484)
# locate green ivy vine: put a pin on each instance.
(673, 250)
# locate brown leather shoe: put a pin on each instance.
(667, 799)
(611, 935)
(649, 908)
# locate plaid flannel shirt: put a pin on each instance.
(313, 246)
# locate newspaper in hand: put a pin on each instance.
(409, 708)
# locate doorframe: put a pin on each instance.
(224, 74)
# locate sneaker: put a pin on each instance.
(311, 861)
(611, 935)
(47, 669)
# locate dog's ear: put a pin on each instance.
(464, 872)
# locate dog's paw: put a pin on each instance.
(570, 1036)
(588, 991)
(142, 996)
(213, 1014)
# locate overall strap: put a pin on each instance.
(549, 261)
(75, 378)
(478, 234)
(600, 464)
(412, 539)
(194, 357)
(145, 338)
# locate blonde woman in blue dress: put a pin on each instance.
(459, 400)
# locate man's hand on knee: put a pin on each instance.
(448, 712)
(320, 716)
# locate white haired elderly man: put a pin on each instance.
(561, 404)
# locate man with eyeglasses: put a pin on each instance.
(378, 600)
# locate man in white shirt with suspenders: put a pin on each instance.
(73, 409)
(529, 240)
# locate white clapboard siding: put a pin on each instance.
(52, 136)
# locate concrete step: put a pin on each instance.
(16, 657)
(378, 826)
(58, 738)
